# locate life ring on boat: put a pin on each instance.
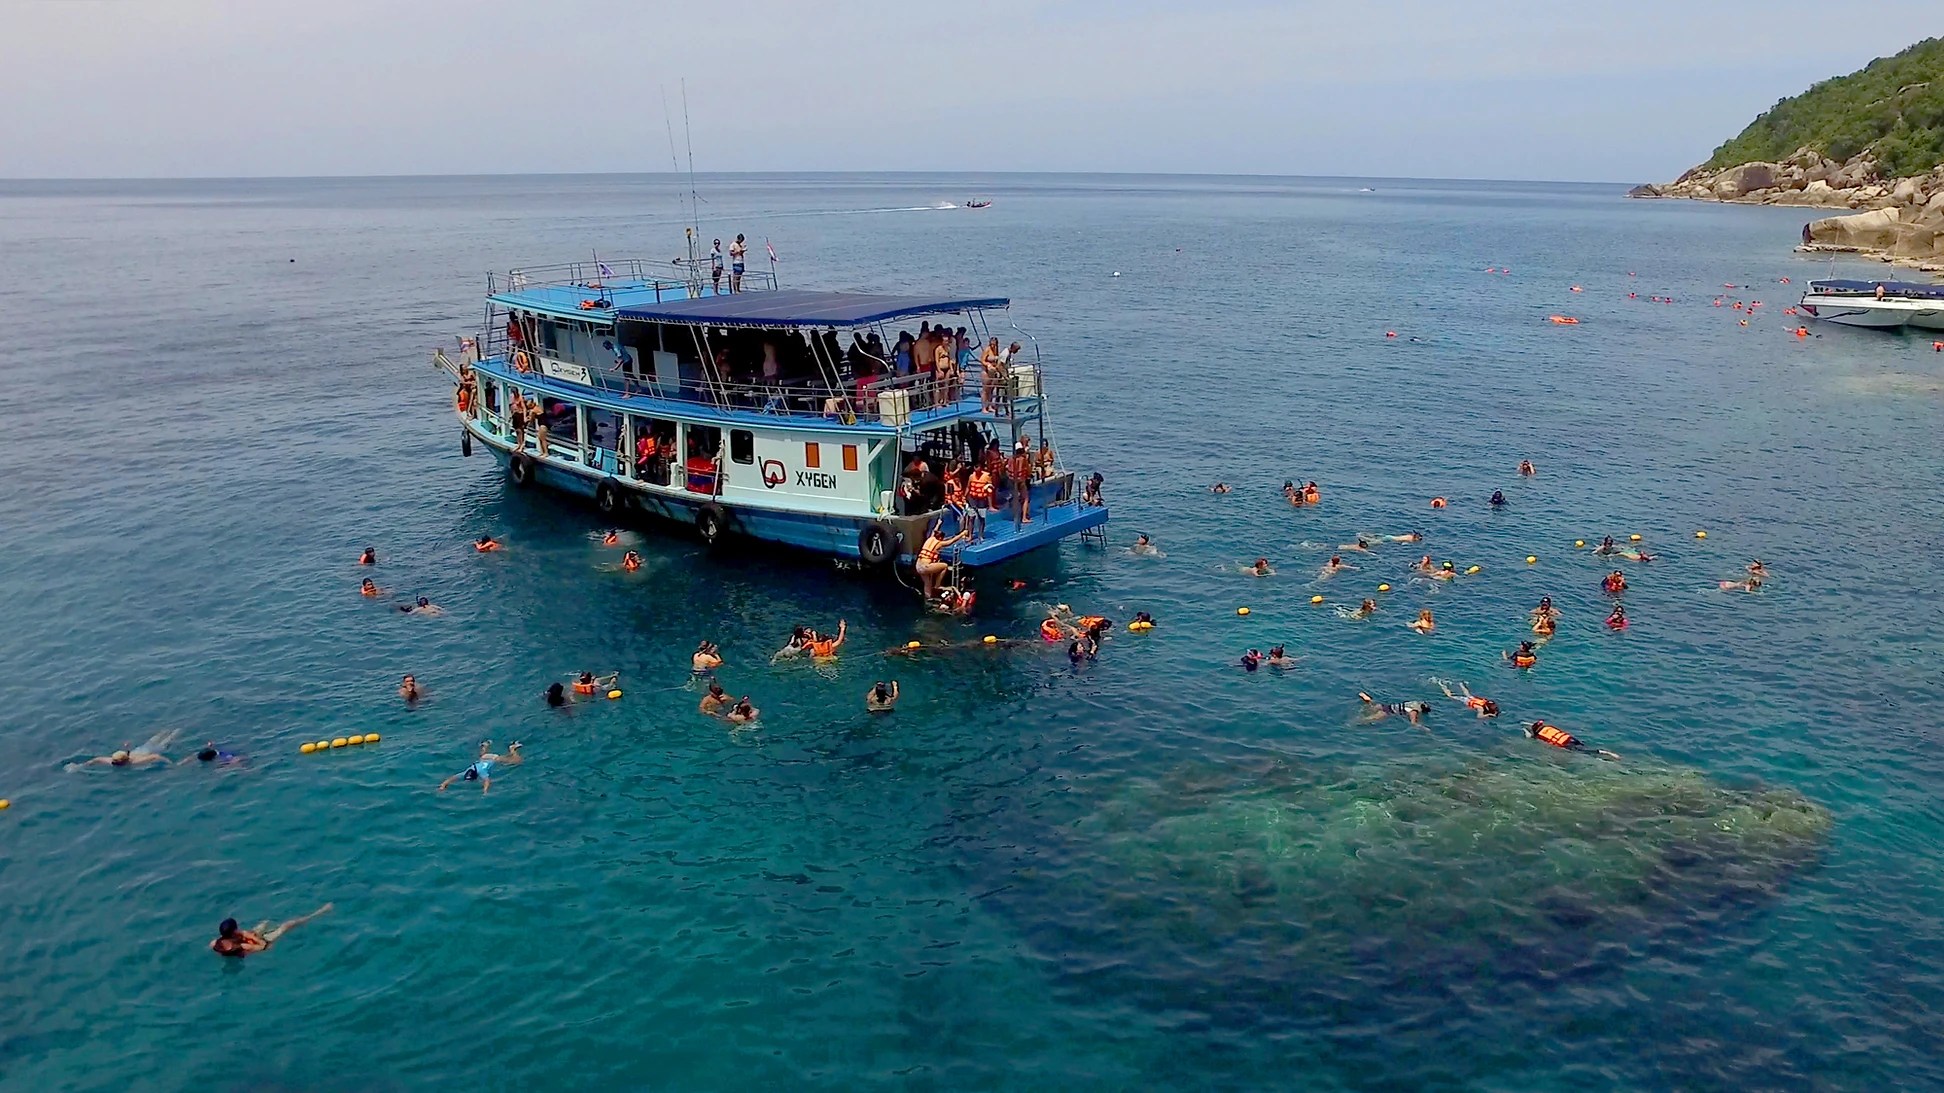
(710, 523)
(877, 544)
(465, 442)
(608, 499)
(521, 362)
(520, 469)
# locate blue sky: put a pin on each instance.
(1623, 92)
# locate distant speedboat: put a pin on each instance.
(978, 203)
(1880, 305)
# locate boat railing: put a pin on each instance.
(680, 273)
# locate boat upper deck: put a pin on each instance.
(596, 290)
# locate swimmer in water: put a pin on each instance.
(630, 561)
(953, 601)
(1524, 657)
(1526, 469)
(1424, 623)
(148, 754)
(1636, 555)
(1260, 568)
(1407, 537)
(706, 658)
(742, 713)
(1426, 566)
(231, 941)
(1560, 738)
(1446, 572)
(421, 606)
(1752, 584)
(1365, 609)
(587, 684)
(825, 648)
(1614, 583)
(714, 699)
(800, 639)
(1757, 569)
(370, 588)
(1279, 659)
(408, 689)
(369, 557)
(210, 753)
(1414, 710)
(556, 695)
(1618, 619)
(1293, 494)
(486, 544)
(1544, 625)
(1484, 707)
(1079, 651)
(481, 770)
(1251, 660)
(1220, 487)
(1545, 610)
(1498, 499)
(1361, 546)
(612, 538)
(1145, 545)
(1335, 565)
(1607, 546)
(881, 697)
(1311, 495)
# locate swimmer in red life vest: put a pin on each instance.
(631, 561)
(369, 557)
(1560, 738)
(485, 544)
(1614, 583)
(1524, 657)
(369, 588)
(1617, 620)
(1484, 707)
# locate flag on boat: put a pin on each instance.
(605, 271)
(770, 249)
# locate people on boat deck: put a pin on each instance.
(738, 250)
(369, 588)
(707, 658)
(715, 268)
(369, 557)
(1047, 461)
(1019, 478)
(587, 684)
(408, 689)
(742, 712)
(931, 567)
(881, 697)
(1484, 707)
(1090, 494)
(481, 770)
(1413, 710)
(486, 544)
(236, 942)
(631, 561)
(421, 606)
(714, 698)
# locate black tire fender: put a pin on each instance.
(608, 498)
(711, 523)
(877, 544)
(465, 442)
(520, 469)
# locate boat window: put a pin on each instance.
(813, 455)
(850, 457)
(560, 419)
(704, 441)
(491, 392)
(742, 446)
(603, 428)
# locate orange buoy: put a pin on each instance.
(1563, 320)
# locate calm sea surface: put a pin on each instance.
(1156, 872)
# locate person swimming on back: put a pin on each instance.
(1635, 555)
(1414, 710)
(881, 698)
(1544, 625)
(1407, 537)
(714, 699)
(369, 588)
(1752, 584)
(1614, 583)
(481, 770)
(1484, 707)
(1618, 619)
(1523, 657)
(587, 684)
(630, 561)
(706, 658)
(408, 689)
(486, 544)
(421, 606)
(1498, 499)
(233, 941)
(1560, 738)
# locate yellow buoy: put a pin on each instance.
(1633, 538)
(1474, 569)
(912, 644)
(1579, 543)
(354, 741)
(1383, 588)
(5, 804)
(339, 742)
(1700, 535)
(1241, 610)
(1316, 599)
(307, 747)
(1531, 559)
(371, 738)
(323, 745)
(615, 693)
(992, 639)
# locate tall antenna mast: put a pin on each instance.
(675, 165)
(688, 138)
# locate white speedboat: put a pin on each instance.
(1882, 305)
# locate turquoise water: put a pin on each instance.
(1157, 871)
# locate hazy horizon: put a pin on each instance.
(1403, 89)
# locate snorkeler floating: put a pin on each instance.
(481, 770)
(148, 754)
(232, 941)
(1560, 738)
(1413, 710)
(1484, 707)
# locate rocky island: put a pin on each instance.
(1871, 141)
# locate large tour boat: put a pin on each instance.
(741, 409)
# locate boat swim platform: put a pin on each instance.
(1005, 539)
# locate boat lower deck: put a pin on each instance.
(1004, 538)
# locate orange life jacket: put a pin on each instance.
(823, 648)
(1525, 660)
(928, 552)
(463, 400)
(1558, 738)
(1052, 631)
(583, 688)
(1088, 622)
(980, 488)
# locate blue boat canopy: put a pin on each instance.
(796, 308)
(1894, 288)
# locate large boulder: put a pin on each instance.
(1907, 189)
(1875, 230)
(1645, 189)
(1737, 181)
(1820, 192)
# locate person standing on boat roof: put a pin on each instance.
(736, 252)
(715, 267)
